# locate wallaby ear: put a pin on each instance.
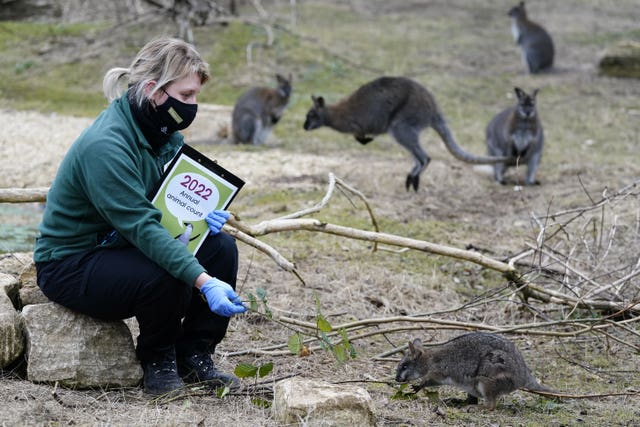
(415, 346)
(519, 92)
(534, 93)
(318, 101)
(282, 79)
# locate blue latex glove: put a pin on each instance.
(216, 219)
(221, 297)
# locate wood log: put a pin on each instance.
(23, 195)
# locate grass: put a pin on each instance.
(33, 78)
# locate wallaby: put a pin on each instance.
(396, 105)
(484, 365)
(534, 41)
(259, 109)
(517, 133)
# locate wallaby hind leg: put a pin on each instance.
(260, 133)
(245, 130)
(532, 167)
(498, 173)
(409, 138)
(498, 168)
(533, 63)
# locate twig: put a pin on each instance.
(263, 247)
(333, 181)
(581, 396)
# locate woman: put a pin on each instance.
(101, 249)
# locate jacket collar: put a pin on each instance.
(169, 149)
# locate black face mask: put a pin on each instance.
(174, 115)
(157, 124)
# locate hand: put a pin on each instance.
(221, 297)
(216, 219)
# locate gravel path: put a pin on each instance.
(33, 144)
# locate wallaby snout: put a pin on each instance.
(318, 111)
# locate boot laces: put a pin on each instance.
(167, 364)
(203, 362)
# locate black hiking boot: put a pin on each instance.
(198, 367)
(161, 374)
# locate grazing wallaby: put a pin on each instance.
(517, 133)
(396, 105)
(259, 109)
(534, 41)
(484, 365)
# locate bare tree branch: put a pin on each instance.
(579, 296)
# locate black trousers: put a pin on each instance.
(113, 284)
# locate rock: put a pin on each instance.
(11, 330)
(10, 286)
(30, 293)
(134, 327)
(14, 262)
(318, 403)
(622, 60)
(76, 350)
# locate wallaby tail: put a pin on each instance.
(533, 386)
(440, 126)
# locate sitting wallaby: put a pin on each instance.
(534, 41)
(396, 105)
(517, 133)
(257, 110)
(484, 365)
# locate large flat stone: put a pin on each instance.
(308, 402)
(77, 350)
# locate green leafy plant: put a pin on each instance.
(255, 300)
(247, 370)
(295, 343)
(342, 350)
(403, 394)
(324, 332)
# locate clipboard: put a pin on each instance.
(192, 186)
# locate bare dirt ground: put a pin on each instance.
(593, 131)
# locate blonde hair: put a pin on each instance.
(163, 60)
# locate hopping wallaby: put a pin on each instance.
(517, 133)
(396, 105)
(484, 365)
(534, 41)
(259, 109)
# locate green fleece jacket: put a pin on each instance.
(102, 184)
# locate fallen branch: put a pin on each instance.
(293, 222)
(281, 225)
(422, 323)
(23, 195)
